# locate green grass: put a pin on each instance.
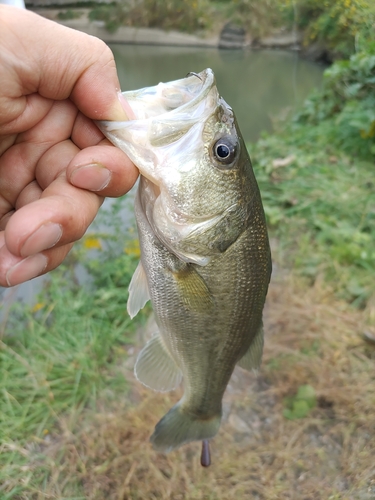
(320, 208)
(62, 359)
(60, 355)
(317, 180)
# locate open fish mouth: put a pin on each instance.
(174, 97)
(163, 114)
(169, 116)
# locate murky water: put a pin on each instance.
(259, 85)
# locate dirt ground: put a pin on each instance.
(258, 453)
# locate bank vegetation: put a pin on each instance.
(74, 423)
(337, 25)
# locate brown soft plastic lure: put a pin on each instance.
(206, 454)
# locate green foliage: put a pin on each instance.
(56, 357)
(300, 405)
(341, 24)
(65, 15)
(61, 355)
(183, 15)
(347, 103)
(113, 15)
(320, 205)
(258, 17)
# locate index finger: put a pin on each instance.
(79, 67)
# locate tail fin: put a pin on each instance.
(178, 427)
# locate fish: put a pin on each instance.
(205, 257)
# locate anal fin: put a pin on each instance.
(155, 368)
(253, 356)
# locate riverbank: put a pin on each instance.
(75, 422)
(130, 34)
(154, 36)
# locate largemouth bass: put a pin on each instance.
(205, 257)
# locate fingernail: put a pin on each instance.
(94, 177)
(26, 269)
(118, 111)
(45, 237)
(126, 107)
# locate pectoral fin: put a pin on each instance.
(138, 291)
(253, 356)
(155, 368)
(194, 290)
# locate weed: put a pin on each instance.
(61, 355)
(344, 108)
(189, 15)
(300, 405)
(66, 430)
(321, 208)
(342, 25)
(69, 14)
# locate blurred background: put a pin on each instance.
(74, 424)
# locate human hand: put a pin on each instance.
(55, 165)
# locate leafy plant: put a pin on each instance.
(300, 405)
(62, 354)
(69, 14)
(347, 102)
(258, 17)
(342, 25)
(320, 207)
(183, 15)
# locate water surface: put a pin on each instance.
(259, 85)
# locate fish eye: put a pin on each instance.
(225, 151)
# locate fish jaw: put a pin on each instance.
(168, 143)
(169, 118)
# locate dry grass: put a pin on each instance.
(257, 454)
